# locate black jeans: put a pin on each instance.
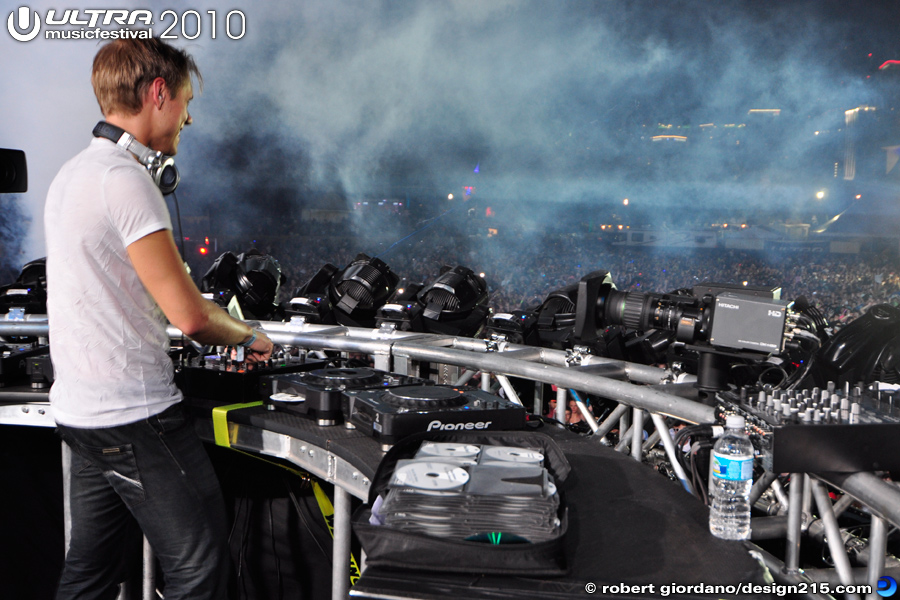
(156, 472)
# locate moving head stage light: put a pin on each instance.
(516, 327)
(402, 310)
(557, 326)
(350, 296)
(455, 303)
(25, 358)
(865, 350)
(28, 292)
(252, 278)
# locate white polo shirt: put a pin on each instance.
(108, 339)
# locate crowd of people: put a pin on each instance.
(520, 273)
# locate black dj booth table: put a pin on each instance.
(628, 525)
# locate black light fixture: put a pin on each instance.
(517, 327)
(360, 289)
(29, 291)
(455, 303)
(311, 300)
(253, 278)
(556, 318)
(350, 296)
(402, 310)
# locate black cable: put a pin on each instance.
(241, 550)
(680, 437)
(275, 553)
(784, 376)
(306, 523)
(180, 228)
(699, 480)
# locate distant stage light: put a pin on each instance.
(820, 194)
(449, 196)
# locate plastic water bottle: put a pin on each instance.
(730, 482)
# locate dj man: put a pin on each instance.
(114, 278)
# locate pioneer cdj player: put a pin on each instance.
(390, 415)
(317, 394)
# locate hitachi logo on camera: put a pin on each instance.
(438, 425)
(732, 306)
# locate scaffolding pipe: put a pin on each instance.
(833, 535)
(842, 504)
(24, 328)
(761, 485)
(467, 375)
(586, 413)
(669, 445)
(637, 434)
(610, 421)
(779, 493)
(781, 574)
(641, 396)
(624, 439)
(768, 528)
(561, 404)
(877, 550)
(633, 371)
(794, 524)
(881, 497)
(508, 388)
(651, 440)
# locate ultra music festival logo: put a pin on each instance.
(26, 24)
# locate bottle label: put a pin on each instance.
(732, 468)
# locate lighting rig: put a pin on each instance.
(453, 304)
(350, 296)
(252, 279)
(25, 358)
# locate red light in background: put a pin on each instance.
(203, 249)
(489, 212)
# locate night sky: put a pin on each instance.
(332, 102)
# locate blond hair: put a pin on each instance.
(125, 68)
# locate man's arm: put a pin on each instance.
(160, 269)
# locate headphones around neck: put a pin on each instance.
(161, 167)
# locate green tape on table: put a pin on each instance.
(220, 421)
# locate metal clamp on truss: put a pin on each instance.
(496, 343)
(575, 355)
